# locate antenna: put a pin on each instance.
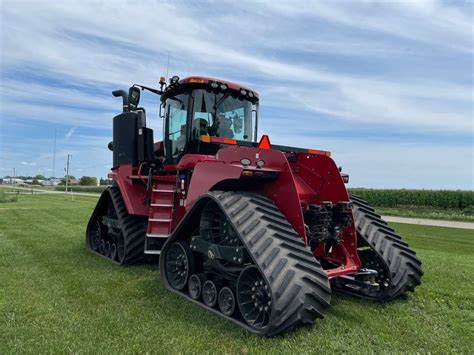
(168, 65)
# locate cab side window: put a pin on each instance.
(176, 114)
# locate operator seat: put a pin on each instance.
(200, 127)
(223, 128)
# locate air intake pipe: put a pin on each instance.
(124, 94)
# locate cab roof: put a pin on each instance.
(209, 80)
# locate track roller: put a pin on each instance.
(226, 301)
(113, 251)
(209, 293)
(102, 247)
(107, 249)
(195, 285)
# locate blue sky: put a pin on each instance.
(386, 86)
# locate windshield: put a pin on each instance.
(221, 115)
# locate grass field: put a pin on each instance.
(56, 297)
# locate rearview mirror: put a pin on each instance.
(133, 97)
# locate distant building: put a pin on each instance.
(12, 181)
(33, 181)
(51, 182)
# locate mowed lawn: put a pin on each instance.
(56, 297)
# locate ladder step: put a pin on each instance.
(162, 190)
(157, 235)
(161, 205)
(154, 252)
(159, 220)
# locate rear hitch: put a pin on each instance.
(363, 282)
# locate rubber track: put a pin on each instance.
(300, 288)
(133, 229)
(404, 266)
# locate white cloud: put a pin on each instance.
(70, 133)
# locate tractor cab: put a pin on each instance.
(199, 114)
(197, 110)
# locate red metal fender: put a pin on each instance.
(228, 166)
(132, 189)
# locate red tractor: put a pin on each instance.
(257, 233)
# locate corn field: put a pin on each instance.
(427, 198)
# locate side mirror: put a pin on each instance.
(133, 97)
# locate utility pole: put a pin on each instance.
(67, 172)
(54, 154)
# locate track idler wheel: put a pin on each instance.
(254, 297)
(195, 286)
(94, 235)
(226, 301)
(179, 263)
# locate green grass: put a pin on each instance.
(4, 197)
(56, 297)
